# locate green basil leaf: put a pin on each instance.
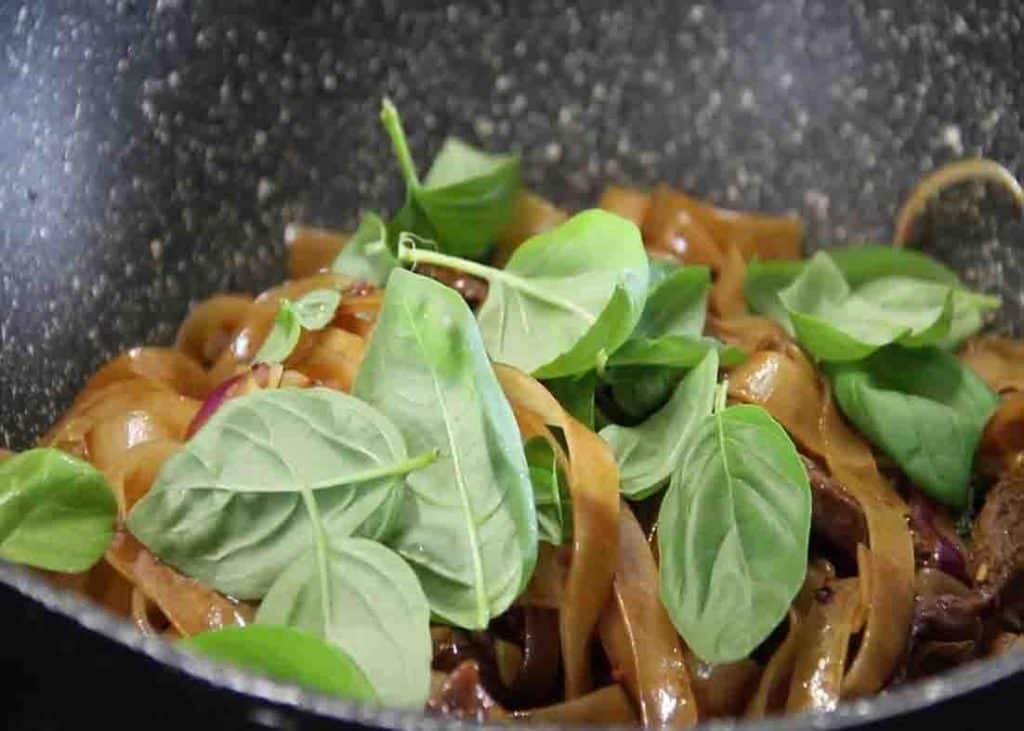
(677, 304)
(228, 508)
(286, 654)
(639, 391)
(566, 298)
(648, 453)
(835, 324)
(56, 511)
(468, 526)
(859, 264)
(367, 255)
(550, 492)
(672, 351)
(576, 395)
(733, 532)
(365, 599)
(313, 311)
(467, 197)
(283, 336)
(923, 408)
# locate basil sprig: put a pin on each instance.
(367, 255)
(312, 311)
(56, 511)
(733, 532)
(466, 198)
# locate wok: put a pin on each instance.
(150, 154)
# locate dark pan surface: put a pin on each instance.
(151, 153)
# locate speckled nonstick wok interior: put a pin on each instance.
(150, 154)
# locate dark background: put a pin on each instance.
(151, 154)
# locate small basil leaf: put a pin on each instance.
(283, 335)
(315, 309)
(467, 197)
(286, 654)
(733, 532)
(672, 351)
(228, 508)
(923, 408)
(367, 255)
(566, 298)
(639, 391)
(468, 526)
(648, 453)
(677, 304)
(364, 598)
(576, 395)
(550, 493)
(56, 511)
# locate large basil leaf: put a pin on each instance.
(567, 297)
(923, 408)
(576, 395)
(649, 452)
(366, 254)
(56, 511)
(733, 532)
(365, 599)
(468, 526)
(228, 508)
(677, 304)
(639, 391)
(836, 324)
(550, 492)
(467, 197)
(286, 654)
(670, 351)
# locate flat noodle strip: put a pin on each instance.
(774, 684)
(594, 490)
(726, 299)
(607, 706)
(191, 607)
(210, 325)
(822, 647)
(999, 362)
(639, 639)
(790, 389)
(174, 368)
(631, 203)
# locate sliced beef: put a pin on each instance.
(998, 564)
(948, 629)
(463, 696)
(835, 515)
(936, 543)
(473, 289)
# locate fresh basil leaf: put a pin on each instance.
(835, 324)
(648, 453)
(923, 408)
(313, 311)
(672, 351)
(365, 599)
(228, 508)
(677, 304)
(468, 526)
(283, 336)
(639, 391)
(366, 255)
(566, 298)
(467, 197)
(286, 654)
(859, 264)
(550, 492)
(576, 395)
(56, 511)
(733, 532)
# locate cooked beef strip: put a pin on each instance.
(998, 561)
(473, 289)
(463, 696)
(835, 515)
